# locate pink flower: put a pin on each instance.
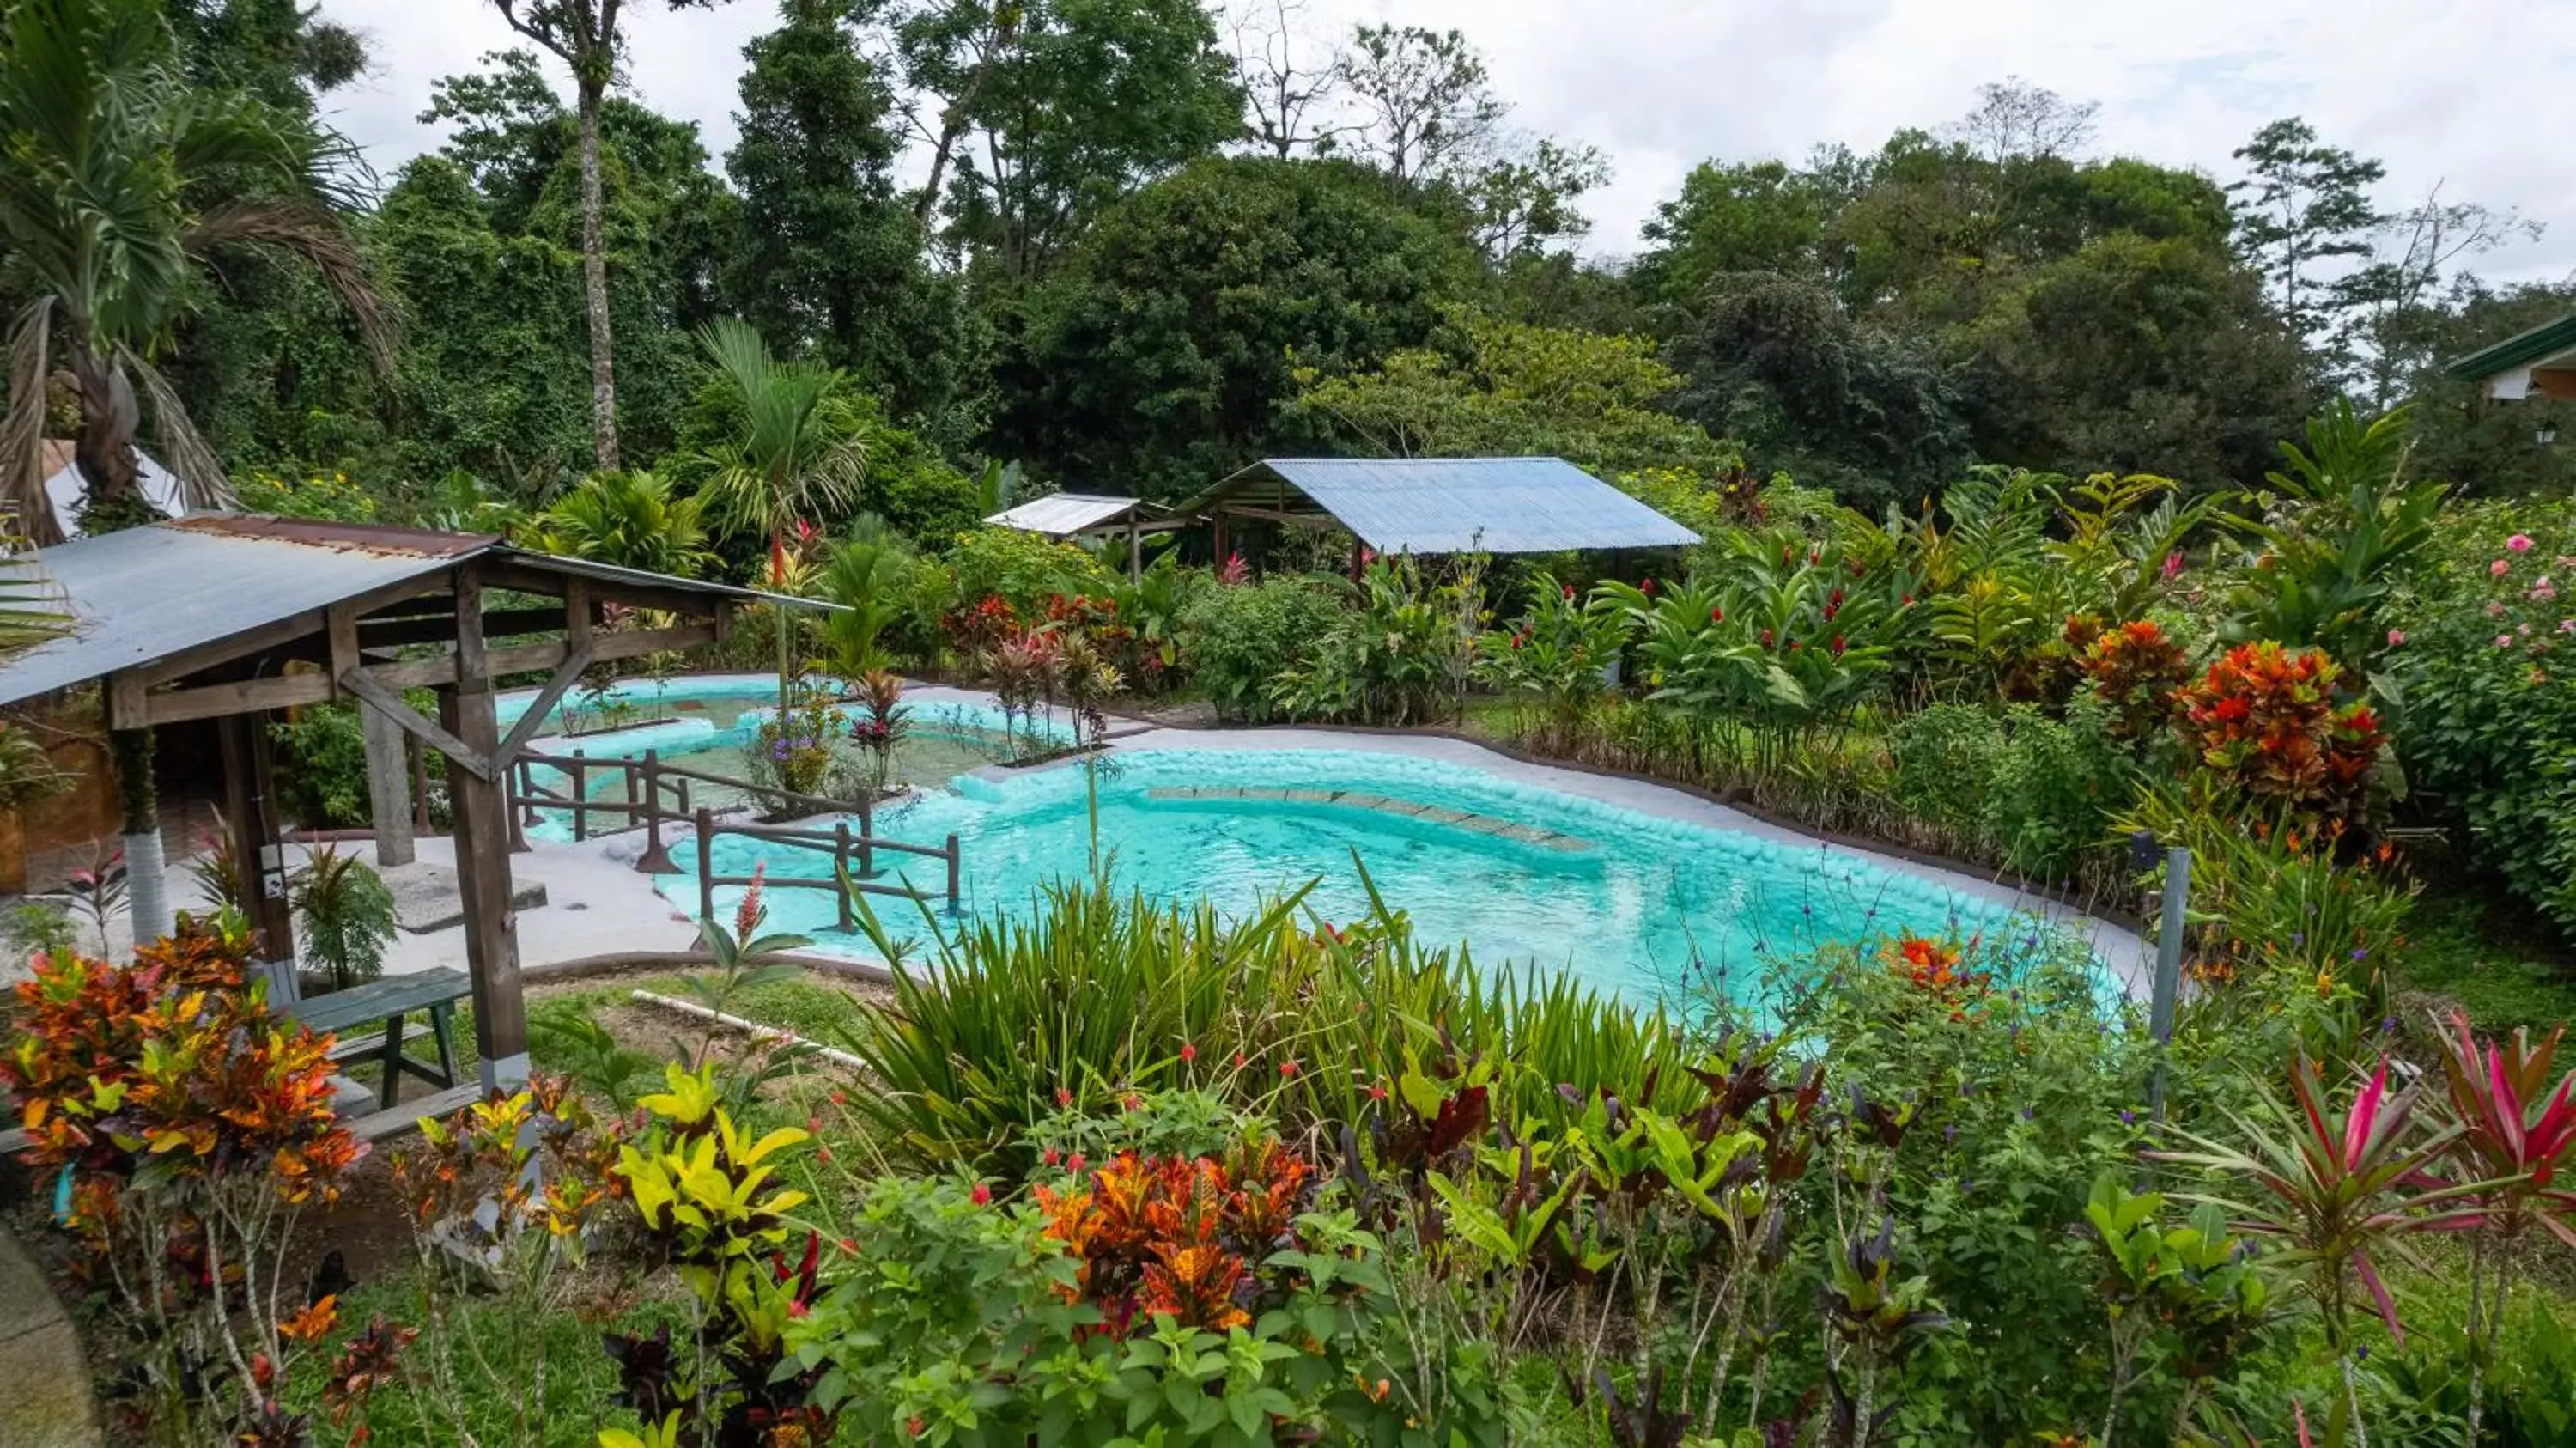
(2544, 590)
(2567, 625)
(2397, 638)
(2495, 609)
(746, 919)
(2173, 564)
(2519, 543)
(2500, 567)
(2504, 641)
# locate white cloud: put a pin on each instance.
(2467, 93)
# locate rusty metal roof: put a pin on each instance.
(148, 593)
(1455, 505)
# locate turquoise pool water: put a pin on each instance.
(716, 716)
(1523, 874)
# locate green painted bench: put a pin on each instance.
(386, 1005)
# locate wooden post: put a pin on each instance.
(952, 874)
(840, 871)
(706, 865)
(250, 813)
(483, 852)
(656, 860)
(419, 785)
(388, 785)
(2168, 984)
(520, 804)
(867, 838)
(580, 797)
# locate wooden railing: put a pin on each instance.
(650, 793)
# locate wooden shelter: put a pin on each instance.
(228, 618)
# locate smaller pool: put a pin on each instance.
(1525, 874)
(707, 722)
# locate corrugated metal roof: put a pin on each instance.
(1061, 515)
(148, 593)
(1466, 505)
(2540, 342)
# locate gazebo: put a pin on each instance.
(1442, 505)
(227, 617)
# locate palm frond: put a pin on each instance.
(306, 230)
(200, 474)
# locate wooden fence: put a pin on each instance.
(650, 794)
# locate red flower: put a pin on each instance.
(1377, 1091)
(1073, 1163)
(1646, 586)
(1288, 1070)
(1767, 637)
(1189, 1053)
(1838, 646)
(1063, 1098)
(982, 1196)
(1717, 615)
(1050, 1156)
(1569, 590)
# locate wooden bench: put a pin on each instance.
(385, 1005)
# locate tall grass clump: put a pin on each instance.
(1094, 996)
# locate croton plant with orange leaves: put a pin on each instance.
(189, 1124)
(2274, 723)
(1177, 1236)
(2137, 669)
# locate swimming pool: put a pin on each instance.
(705, 721)
(1523, 870)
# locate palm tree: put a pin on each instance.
(629, 519)
(107, 158)
(800, 452)
(118, 181)
(869, 572)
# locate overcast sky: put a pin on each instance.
(2471, 94)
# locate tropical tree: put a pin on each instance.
(629, 519)
(118, 182)
(868, 574)
(793, 457)
(583, 34)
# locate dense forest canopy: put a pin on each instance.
(1136, 244)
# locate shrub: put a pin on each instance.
(321, 768)
(1401, 659)
(345, 914)
(1559, 651)
(1945, 759)
(2136, 670)
(2267, 722)
(2055, 787)
(2482, 649)
(1023, 570)
(1236, 639)
(192, 1128)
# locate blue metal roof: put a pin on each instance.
(1457, 505)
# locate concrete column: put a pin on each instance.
(388, 786)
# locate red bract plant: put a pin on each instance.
(2268, 721)
(982, 624)
(191, 1126)
(2516, 1132)
(2137, 670)
(1935, 969)
(2338, 1186)
(1179, 1237)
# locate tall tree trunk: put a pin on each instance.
(104, 448)
(594, 279)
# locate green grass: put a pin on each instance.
(2495, 968)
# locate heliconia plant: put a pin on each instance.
(2515, 1132)
(2338, 1187)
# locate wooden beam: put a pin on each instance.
(481, 804)
(379, 633)
(577, 652)
(342, 621)
(245, 696)
(126, 706)
(392, 704)
(522, 577)
(241, 696)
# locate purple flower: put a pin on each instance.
(2358, 952)
(2128, 1117)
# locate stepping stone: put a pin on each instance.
(1307, 796)
(1442, 814)
(1486, 825)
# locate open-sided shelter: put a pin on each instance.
(1442, 505)
(1085, 515)
(228, 617)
